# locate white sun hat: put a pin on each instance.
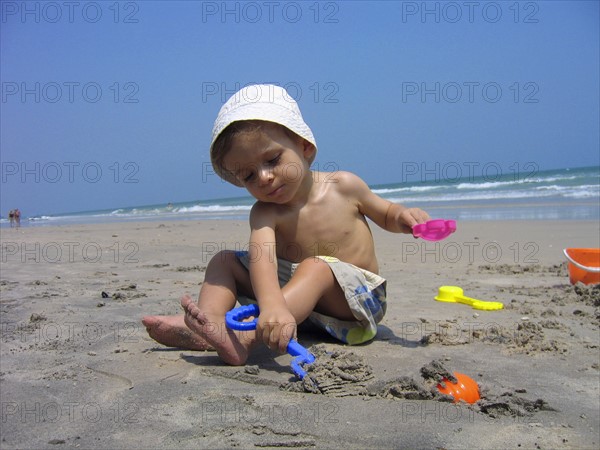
(267, 102)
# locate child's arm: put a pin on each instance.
(276, 325)
(389, 216)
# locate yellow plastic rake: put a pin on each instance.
(454, 294)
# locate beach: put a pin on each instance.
(79, 370)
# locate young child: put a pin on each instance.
(311, 253)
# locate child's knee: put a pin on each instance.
(314, 267)
(223, 258)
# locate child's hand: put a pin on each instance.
(275, 327)
(411, 217)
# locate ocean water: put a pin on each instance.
(563, 194)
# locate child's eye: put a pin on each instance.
(274, 160)
(249, 177)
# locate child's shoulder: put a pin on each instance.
(344, 181)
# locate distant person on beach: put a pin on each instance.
(11, 217)
(311, 252)
(17, 217)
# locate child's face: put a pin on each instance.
(269, 163)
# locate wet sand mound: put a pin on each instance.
(340, 373)
(510, 404)
(336, 373)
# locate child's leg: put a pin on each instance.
(173, 332)
(225, 277)
(314, 288)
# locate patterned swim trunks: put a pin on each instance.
(364, 291)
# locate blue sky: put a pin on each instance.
(111, 104)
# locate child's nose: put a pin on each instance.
(265, 175)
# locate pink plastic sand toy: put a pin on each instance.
(434, 230)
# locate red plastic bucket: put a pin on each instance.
(584, 265)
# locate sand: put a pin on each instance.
(77, 368)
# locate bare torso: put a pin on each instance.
(329, 223)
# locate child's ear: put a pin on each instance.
(309, 150)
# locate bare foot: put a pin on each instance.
(231, 346)
(173, 332)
